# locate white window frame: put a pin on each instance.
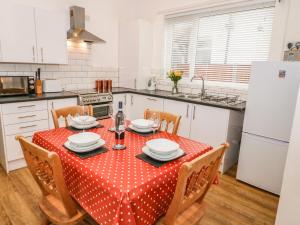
(210, 11)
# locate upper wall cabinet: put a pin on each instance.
(32, 35)
(17, 34)
(51, 36)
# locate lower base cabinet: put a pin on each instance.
(24, 118)
(59, 103)
(206, 124)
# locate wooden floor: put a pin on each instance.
(229, 203)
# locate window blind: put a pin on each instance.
(219, 47)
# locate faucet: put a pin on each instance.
(203, 85)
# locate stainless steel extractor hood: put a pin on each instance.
(77, 31)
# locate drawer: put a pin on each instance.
(17, 118)
(26, 127)
(24, 107)
(13, 148)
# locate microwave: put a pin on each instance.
(16, 85)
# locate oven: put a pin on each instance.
(102, 111)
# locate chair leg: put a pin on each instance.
(45, 221)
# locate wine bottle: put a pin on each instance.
(120, 126)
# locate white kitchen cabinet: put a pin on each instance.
(184, 110)
(209, 124)
(32, 35)
(59, 103)
(139, 103)
(17, 33)
(51, 36)
(214, 126)
(22, 118)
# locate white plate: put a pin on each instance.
(179, 152)
(162, 146)
(84, 120)
(81, 127)
(84, 139)
(90, 148)
(142, 123)
(147, 130)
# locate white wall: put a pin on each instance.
(285, 27)
(289, 204)
(285, 22)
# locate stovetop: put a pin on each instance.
(88, 92)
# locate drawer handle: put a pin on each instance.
(24, 117)
(24, 127)
(152, 99)
(187, 110)
(25, 106)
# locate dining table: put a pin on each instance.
(116, 187)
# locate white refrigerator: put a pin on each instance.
(272, 96)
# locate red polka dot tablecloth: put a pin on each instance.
(115, 187)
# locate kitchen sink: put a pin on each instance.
(186, 96)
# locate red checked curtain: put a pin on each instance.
(220, 47)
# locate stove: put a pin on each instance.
(102, 102)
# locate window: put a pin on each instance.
(220, 47)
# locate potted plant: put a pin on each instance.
(175, 76)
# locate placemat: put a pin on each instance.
(86, 155)
(154, 162)
(80, 130)
(141, 134)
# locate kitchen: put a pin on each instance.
(131, 50)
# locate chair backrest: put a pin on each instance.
(194, 180)
(65, 112)
(46, 169)
(166, 120)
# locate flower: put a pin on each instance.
(175, 75)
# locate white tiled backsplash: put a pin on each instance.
(77, 74)
(195, 88)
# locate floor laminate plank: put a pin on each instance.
(230, 203)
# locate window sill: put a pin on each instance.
(186, 82)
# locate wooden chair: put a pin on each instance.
(168, 118)
(56, 203)
(71, 110)
(194, 180)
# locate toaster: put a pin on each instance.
(51, 85)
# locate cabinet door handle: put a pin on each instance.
(131, 99)
(33, 53)
(24, 127)
(52, 105)
(29, 116)
(152, 99)
(194, 113)
(25, 106)
(125, 100)
(42, 54)
(187, 110)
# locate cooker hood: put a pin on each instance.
(77, 31)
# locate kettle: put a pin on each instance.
(151, 85)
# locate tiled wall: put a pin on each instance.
(78, 74)
(195, 88)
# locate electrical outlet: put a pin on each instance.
(87, 18)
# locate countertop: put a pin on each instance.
(168, 95)
(44, 96)
(157, 93)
